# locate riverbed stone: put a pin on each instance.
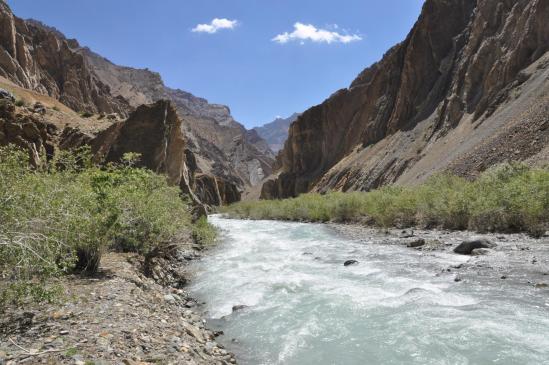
(416, 243)
(350, 262)
(466, 247)
(480, 252)
(239, 307)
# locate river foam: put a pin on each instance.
(394, 307)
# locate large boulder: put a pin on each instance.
(467, 247)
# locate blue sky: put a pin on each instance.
(244, 64)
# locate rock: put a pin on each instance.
(6, 95)
(350, 262)
(416, 243)
(169, 298)
(194, 332)
(239, 307)
(503, 277)
(541, 285)
(457, 279)
(39, 108)
(480, 252)
(466, 247)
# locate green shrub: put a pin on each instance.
(505, 198)
(86, 114)
(203, 232)
(20, 102)
(62, 217)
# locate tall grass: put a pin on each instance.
(62, 217)
(505, 198)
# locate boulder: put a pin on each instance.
(239, 307)
(467, 247)
(480, 252)
(6, 95)
(350, 262)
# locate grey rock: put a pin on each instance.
(350, 262)
(480, 251)
(6, 95)
(239, 307)
(466, 247)
(416, 243)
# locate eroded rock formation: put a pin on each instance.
(472, 76)
(41, 59)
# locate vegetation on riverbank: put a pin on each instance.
(506, 198)
(61, 217)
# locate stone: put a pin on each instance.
(416, 243)
(480, 252)
(169, 298)
(466, 247)
(239, 307)
(541, 285)
(6, 95)
(350, 262)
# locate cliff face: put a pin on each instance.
(223, 146)
(40, 59)
(471, 76)
(275, 133)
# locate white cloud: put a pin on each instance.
(308, 32)
(215, 25)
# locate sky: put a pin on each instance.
(262, 58)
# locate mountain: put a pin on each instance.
(468, 88)
(276, 132)
(222, 145)
(41, 59)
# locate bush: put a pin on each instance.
(20, 102)
(62, 217)
(86, 114)
(506, 198)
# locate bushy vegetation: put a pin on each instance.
(506, 198)
(62, 217)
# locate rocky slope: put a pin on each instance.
(222, 145)
(37, 58)
(275, 133)
(468, 88)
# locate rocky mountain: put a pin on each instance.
(222, 145)
(40, 59)
(467, 88)
(275, 133)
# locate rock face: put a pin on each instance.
(42, 59)
(36, 57)
(223, 147)
(468, 88)
(276, 132)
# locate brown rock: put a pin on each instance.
(447, 97)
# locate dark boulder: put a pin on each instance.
(350, 262)
(239, 307)
(467, 247)
(6, 95)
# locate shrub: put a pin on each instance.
(20, 102)
(505, 198)
(86, 114)
(62, 217)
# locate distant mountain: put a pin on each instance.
(276, 132)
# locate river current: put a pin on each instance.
(303, 306)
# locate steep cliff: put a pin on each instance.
(41, 59)
(468, 87)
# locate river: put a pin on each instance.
(393, 307)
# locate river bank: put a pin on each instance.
(282, 294)
(119, 316)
